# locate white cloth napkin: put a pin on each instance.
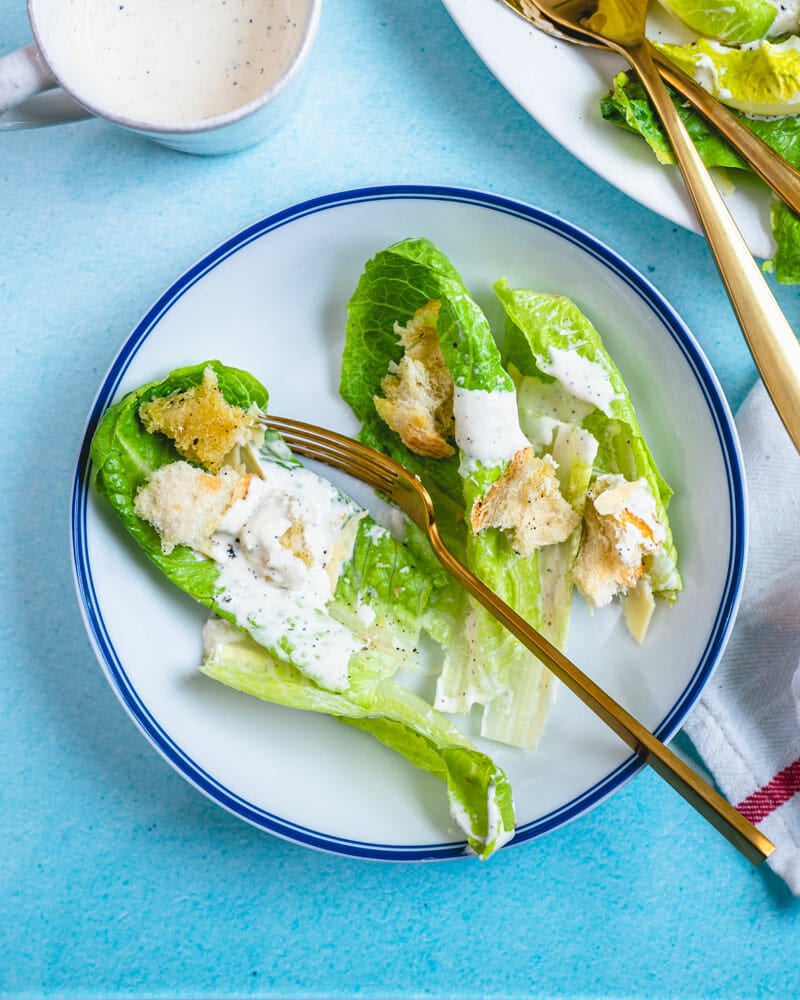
(746, 725)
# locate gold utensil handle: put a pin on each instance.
(711, 805)
(772, 342)
(773, 169)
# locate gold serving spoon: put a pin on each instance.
(401, 487)
(776, 172)
(620, 25)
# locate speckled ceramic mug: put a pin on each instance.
(201, 76)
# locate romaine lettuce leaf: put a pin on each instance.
(759, 79)
(731, 21)
(395, 284)
(540, 327)
(478, 791)
(786, 230)
(486, 662)
(628, 106)
(387, 594)
(124, 455)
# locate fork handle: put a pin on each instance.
(709, 803)
(772, 342)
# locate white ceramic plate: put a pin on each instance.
(560, 85)
(272, 300)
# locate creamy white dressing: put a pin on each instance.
(280, 592)
(551, 399)
(705, 74)
(497, 833)
(540, 431)
(787, 18)
(366, 615)
(586, 380)
(182, 61)
(487, 425)
(545, 408)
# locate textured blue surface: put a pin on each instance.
(119, 879)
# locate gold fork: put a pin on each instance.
(620, 25)
(772, 168)
(402, 488)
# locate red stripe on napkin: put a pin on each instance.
(762, 802)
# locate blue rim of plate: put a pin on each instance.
(115, 669)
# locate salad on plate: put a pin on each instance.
(747, 54)
(543, 484)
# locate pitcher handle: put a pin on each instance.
(25, 75)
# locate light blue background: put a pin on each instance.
(116, 877)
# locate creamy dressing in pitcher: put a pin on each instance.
(182, 61)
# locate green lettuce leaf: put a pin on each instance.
(786, 230)
(124, 454)
(731, 21)
(628, 106)
(383, 597)
(538, 324)
(485, 663)
(478, 791)
(386, 596)
(758, 79)
(394, 285)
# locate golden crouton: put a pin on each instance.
(184, 504)
(526, 501)
(203, 424)
(419, 388)
(620, 528)
(294, 540)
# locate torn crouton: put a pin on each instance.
(418, 390)
(184, 504)
(294, 539)
(527, 502)
(621, 528)
(203, 424)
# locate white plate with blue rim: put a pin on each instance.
(272, 299)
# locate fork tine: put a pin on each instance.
(332, 455)
(313, 433)
(334, 449)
